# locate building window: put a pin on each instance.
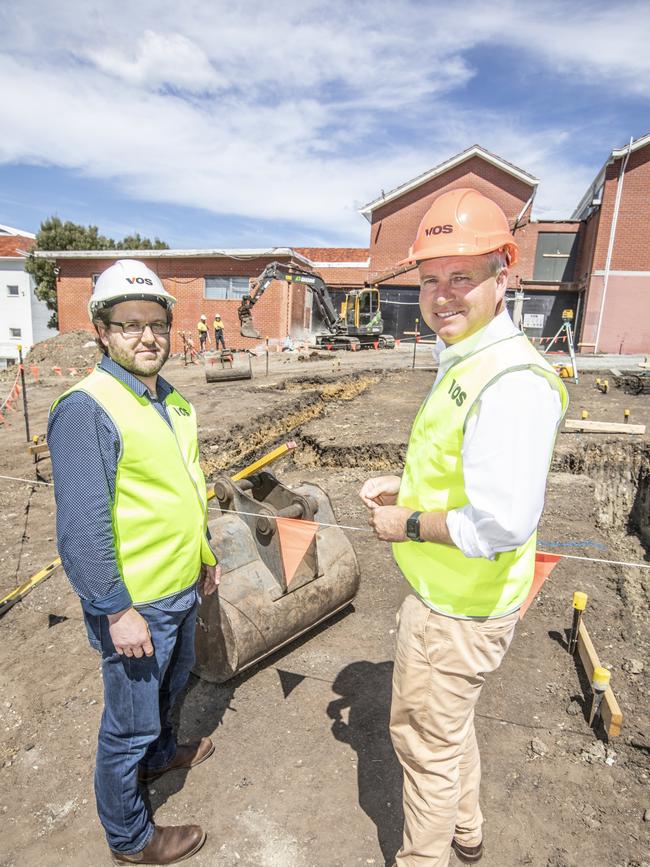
(227, 288)
(12, 291)
(555, 259)
(15, 332)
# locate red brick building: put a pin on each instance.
(613, 271)
(597, 263)
(202, 281)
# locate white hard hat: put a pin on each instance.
(128, 280)
(203, 316)
(216, 316)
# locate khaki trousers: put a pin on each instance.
(440, 664)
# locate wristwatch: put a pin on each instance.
(413, 527)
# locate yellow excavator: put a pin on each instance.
(358, 323)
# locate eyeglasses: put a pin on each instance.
(136, 329)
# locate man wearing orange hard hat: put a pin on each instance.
(462, 518)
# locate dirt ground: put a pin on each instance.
(304, 774)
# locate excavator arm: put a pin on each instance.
(291, 274)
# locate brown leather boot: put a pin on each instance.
(167, 846)
(186, 756)
(467, 854)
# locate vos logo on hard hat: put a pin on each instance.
(133, 280)
(439, 230)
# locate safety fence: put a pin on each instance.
(7, 404)
(561, 339)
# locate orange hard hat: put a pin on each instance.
(462, 222)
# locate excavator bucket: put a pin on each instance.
(226, 366)
(246, 327)
(264, 600)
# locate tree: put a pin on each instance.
(57, 235)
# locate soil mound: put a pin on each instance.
(73, 349)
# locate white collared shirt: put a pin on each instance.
(506, 451)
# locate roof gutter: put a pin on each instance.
(172, 254)
(612, 235)
(529, 204)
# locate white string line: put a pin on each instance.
(370, 530)
(598, 560)
(29, 481)
(275, 517)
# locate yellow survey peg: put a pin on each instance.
(579, 605)
(599, 685)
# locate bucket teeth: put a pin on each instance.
(247, 330)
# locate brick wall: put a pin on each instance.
(395, 224)
(526, 237)
(626, 319)
(184, 278)
(337, 276)
(631, 247)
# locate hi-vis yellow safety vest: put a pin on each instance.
(159, 512)
(433, 482)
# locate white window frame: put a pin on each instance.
(226, 289)
(15, 294)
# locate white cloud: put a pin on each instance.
(160, 59)
(297, 111)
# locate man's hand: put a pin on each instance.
(381, 491)
(389, 522)
(130, 633)
(210, 578)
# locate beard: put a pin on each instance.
(138, 364)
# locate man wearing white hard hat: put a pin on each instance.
(132, 534)
(202, 328)
(462, 518)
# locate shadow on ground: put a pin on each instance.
(365, 690)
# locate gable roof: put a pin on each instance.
(474, 151)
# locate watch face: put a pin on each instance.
(413, 527)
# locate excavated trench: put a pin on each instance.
(315, 397)
(620, 471)
(364, 455)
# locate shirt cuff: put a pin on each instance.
(464, 535)
(116, 601)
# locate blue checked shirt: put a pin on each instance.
(84, 444)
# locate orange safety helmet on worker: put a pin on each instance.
(462, 222)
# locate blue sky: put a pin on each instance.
(224, 124)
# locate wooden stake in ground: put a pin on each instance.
(610, 710)
(22, 379)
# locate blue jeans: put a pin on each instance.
(218, 338)
(136, 729)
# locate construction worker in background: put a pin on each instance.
(202, 328)
(218, 332)
(462, 518)
(131, 527)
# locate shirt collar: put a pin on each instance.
(163, 388)
(498, 328)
